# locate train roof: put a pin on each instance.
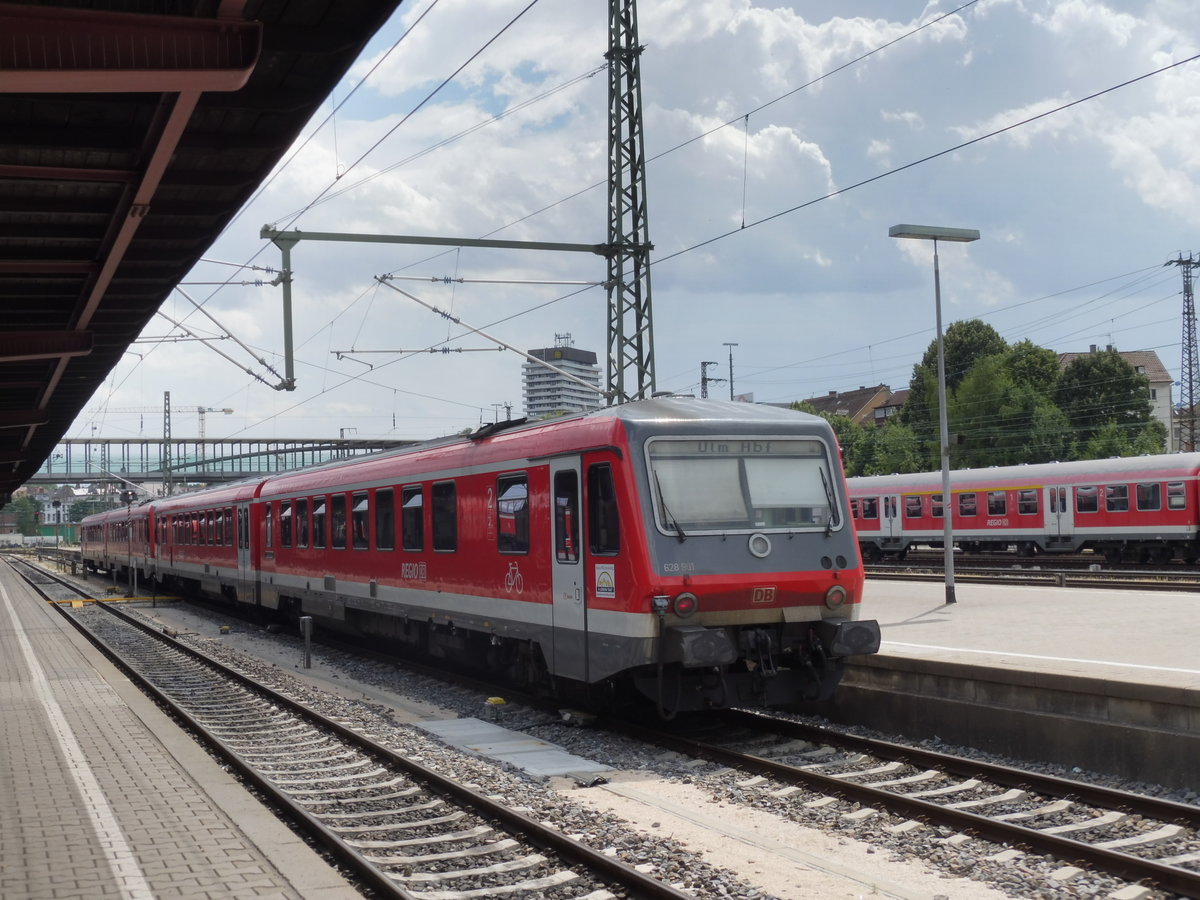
(562, 434)
(1161, 465)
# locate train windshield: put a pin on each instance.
(741, 485)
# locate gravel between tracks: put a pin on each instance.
(693, 825)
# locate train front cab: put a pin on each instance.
(754, 576)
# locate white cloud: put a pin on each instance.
(814, 292)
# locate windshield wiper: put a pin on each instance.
(828, 499)
(671, 520)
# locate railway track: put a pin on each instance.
(1129, 836)
(402, 828)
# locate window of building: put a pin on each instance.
(512, 513)
(385, 519)
(360, 521)
(1116, 498)
(1027, 502)
(604, 525)
(1149, 496)
(337, 521)
(443, 510)
(997, 503)
(412, 517)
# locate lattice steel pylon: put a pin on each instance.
(1189, 366)
(630, 326)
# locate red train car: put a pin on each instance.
(121, 541)
(699, 553)
(203, 541)
(1143, 509)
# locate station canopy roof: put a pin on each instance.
(131, 132)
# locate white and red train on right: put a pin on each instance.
(1141, 509)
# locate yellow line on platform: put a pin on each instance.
(81, 600)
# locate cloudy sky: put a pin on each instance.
(783, 139)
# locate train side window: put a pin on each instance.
(1116, 498)
(1149, 496)
(270, 527)
(1087, 499)
(935, 505)
(997, 503)
(968, 504)
(385, 519)
(337, 521)
(1027, 502)
(443, 508)
(360, 520)
(318, 531)
(912, 507)
(854, 508)
(285, 523)
(870, 507)
(604, 524)
(412, 517)
(1176, 495)
(512, 513)
(566, 516)
(300, 512)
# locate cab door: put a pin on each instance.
(569, 612)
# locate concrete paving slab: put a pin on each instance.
(533, 755)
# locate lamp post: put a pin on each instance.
(935, 234)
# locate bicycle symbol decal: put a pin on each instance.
(514, 580)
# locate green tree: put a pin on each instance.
(25, 510)
(893, 448)
(84, 507)
(1097, 389)
(1034, 366)
(965, 343)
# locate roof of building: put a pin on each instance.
(855, 405)
(1148, 360)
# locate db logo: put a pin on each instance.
(763, 595)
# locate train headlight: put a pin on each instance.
(760, 545)
(835, 596)
(685, 604)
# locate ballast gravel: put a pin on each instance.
(708, 831)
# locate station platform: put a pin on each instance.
(102, 795)
(1131, 636)
(1090, 679)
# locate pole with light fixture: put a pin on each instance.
(935, 234)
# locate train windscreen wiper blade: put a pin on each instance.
(828, 499)
(671, 520)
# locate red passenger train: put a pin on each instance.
(699, 553)
(1141, 509)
